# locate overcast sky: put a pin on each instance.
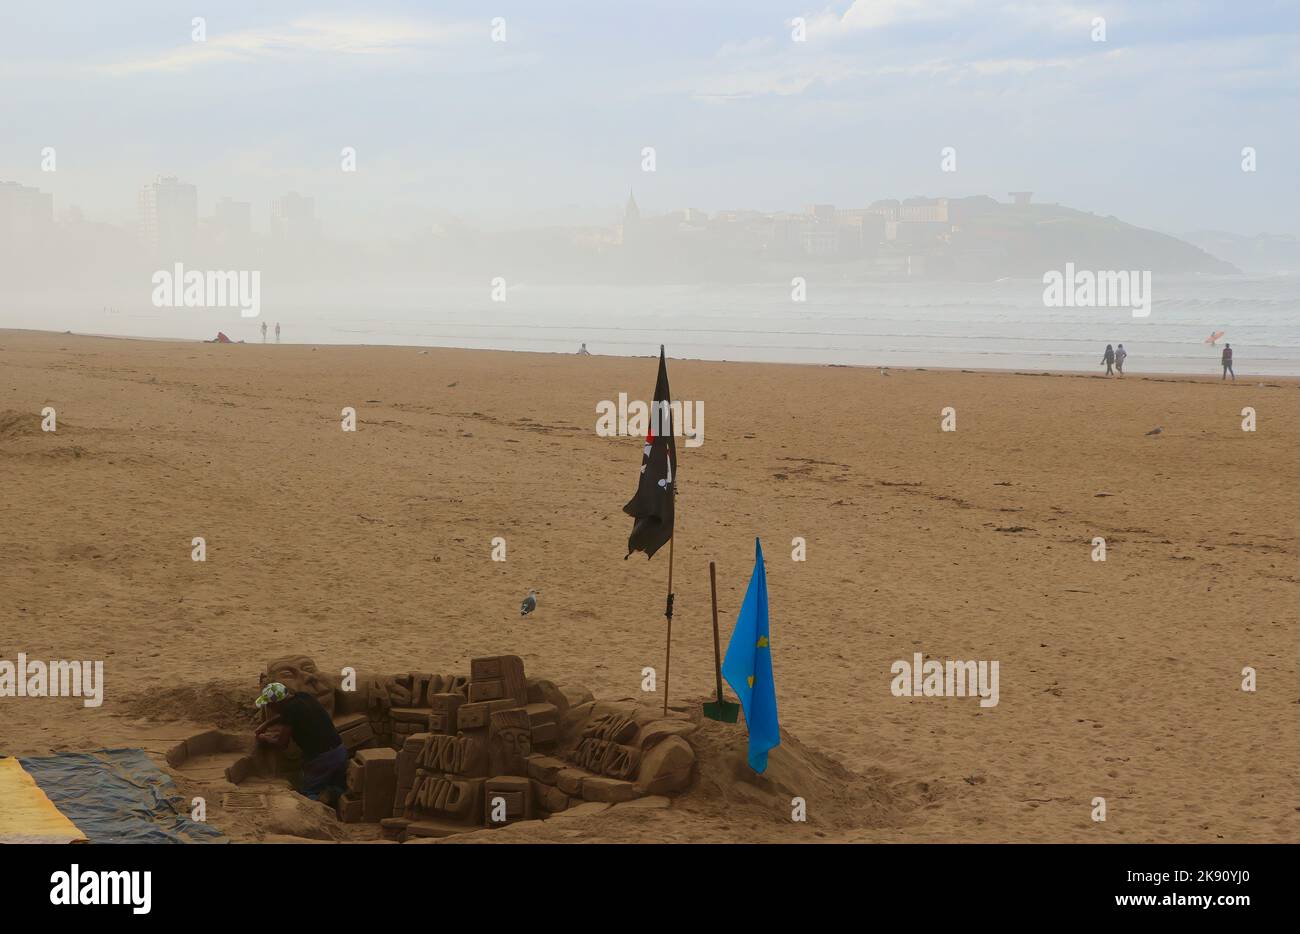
(550, 124)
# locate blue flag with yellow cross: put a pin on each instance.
(748, 667)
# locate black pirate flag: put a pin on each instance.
(652, 506)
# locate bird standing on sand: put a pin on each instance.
(529, 604)
(1156, 430)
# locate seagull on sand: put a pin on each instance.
(1156, 430)
(529, 604)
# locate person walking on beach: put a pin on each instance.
(1120, 354)
(263, 332)
(1226, 360)
(1108, 358)
(277, 331)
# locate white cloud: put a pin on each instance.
(329, 37)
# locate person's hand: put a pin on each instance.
(278, 736)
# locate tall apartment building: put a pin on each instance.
(293, 217)
(24, 212)
(232, 221)
(169, 214)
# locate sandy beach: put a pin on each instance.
(1120, 679)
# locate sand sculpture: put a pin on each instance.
(435, 755)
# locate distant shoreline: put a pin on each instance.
(1156, 376)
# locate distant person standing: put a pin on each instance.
(1108, 358)
(1226, 360)
(277, 331)
(583, 352)
(263, 332)
(1120, 354)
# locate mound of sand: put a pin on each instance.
(224, 704)
(837, 799)
(18, 424)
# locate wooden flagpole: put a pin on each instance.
(668, 612)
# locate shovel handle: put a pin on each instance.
(717, 652)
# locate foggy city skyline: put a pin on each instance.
(855, 182)
(447, 124)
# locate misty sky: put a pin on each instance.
(549, 125)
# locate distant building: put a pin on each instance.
(916, 231)
(924, 209)
(888, 209)
(1020, 198)
(24, 212)
(739, 217)
(169, 214)
(232, 221)
(293, 217)
(869, 224)
(821, 240)
(823, 212)
(629, 232)
(965, 210)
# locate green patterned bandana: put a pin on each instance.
(271, 694)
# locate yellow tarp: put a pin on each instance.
(26, 815)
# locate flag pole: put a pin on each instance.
(668, 612)
(717, 652)
(721, 709)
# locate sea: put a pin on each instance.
(993, 325)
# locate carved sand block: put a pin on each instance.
(545, 769)
(350, 808)
(463, 755)
(448, 799)
(541, 691)
(407, 721)
(608, 790)
(443, 710)
(475, 716)
(498, 677)
(509, 742)
(611, 727)
(407, 763)
(507, 799)
(378, 782)
(549, 798)
(605, 758)
(420, 688)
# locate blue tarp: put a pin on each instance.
(118, 796)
